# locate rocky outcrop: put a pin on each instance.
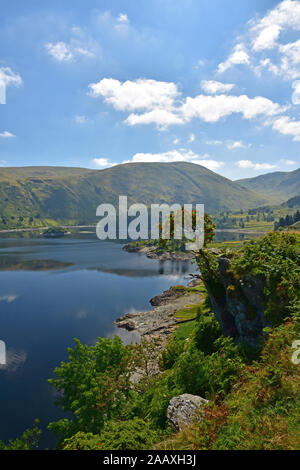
(237, 302)
(185, 409)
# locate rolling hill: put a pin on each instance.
(278, 186)
(33, 194)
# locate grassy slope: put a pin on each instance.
(278, 186)
(72, 194)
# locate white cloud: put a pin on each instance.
(238, 56)
(296, 94)
(162, 118)
(268, 65)
(161, 103)
(214, 87)
(60, 51)
(6, 135)
(213, 108)
(263, 35)
(181, 155)
(266, 38)
(191, 138)
(288, 162)
(286, 126)
(238, 144)
(176, 141)
(103, 163)
(64, 52)
(134, 95)
(290, 60)
(266, 31)
(255, 166)
(7, 78)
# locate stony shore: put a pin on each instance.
(151, 252)
(161, 321)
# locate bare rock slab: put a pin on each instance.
(185, 409)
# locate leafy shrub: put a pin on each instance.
(171, 353)
(208, 375)
(207, 332)
(94, 384)
(135, 434)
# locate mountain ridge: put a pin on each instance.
(278, 185)
(66, 193)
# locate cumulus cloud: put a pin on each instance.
(286, 126)
(266, 31)
(134, 95)
(6, 135)
(266, 38)
(239, 56)
(289, 66)
(161, 117)
(191, 138)
(7, 78)
(263, 35)
(255, 166)
(161, 103)
(213, 108)
(103, 162)
(214, 87)
(296, 94)
(181, 155)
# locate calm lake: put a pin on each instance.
(52, 291)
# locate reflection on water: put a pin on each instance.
(52, 291)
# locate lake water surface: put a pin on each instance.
(52, 291)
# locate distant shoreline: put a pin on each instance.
(36, 229)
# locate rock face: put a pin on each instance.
(237, 303)
(184, 409)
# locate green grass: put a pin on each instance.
(184, 330)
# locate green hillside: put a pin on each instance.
(278, 186)
(32, 195)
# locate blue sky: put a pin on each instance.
(97, 83)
